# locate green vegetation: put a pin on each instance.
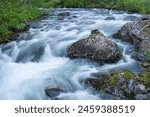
(142, 6)
(113, 80)
(16, 13)
(145, 77)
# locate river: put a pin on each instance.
(39, 57)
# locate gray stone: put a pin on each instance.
(110, 18)
(119, 86)
(96, 47)
(137, 33)
(143, 96)
(64, 14)
(52, 91)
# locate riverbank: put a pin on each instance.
(15, 16)
(141, 6)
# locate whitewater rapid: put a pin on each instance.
(38, 58)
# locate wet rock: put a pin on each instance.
(137, 33)
(96, 31)
(110, 18)
(146, 17)
(102, 84)
(140, 89)
(143, 96)
(36, 25)
(74, 16)
(139, 56)
(122, 85)
(96, 47)
(64, 14)
(61, 18)
(53, 91)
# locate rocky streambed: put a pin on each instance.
(77, 54)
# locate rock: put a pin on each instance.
(53, 91)
(139, 56)
(146, 64)
(143, 96)
(97, 48)
(102, 84)
(61, 18)
(74, 16)
(146, 17)
(110, 18)
(64, 14)
(121, 85)
(140, 89)
(96, 31)
(137, 33)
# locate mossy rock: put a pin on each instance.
(97, 48)
(121, 84)
(115, 76)
(145, 78)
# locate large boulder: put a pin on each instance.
(138, 33)
(97, 48)
(122, 85)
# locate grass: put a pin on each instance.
(16, 13)
(142, 6)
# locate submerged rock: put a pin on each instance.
(64, 14)
(52, 92)
(138, 33)
(122, 85)
(110, 18)
(96, 47)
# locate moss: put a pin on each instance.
(115, 76)
(145, 78)
(113, 81)
(128, 75)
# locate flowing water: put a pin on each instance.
(39, 57)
